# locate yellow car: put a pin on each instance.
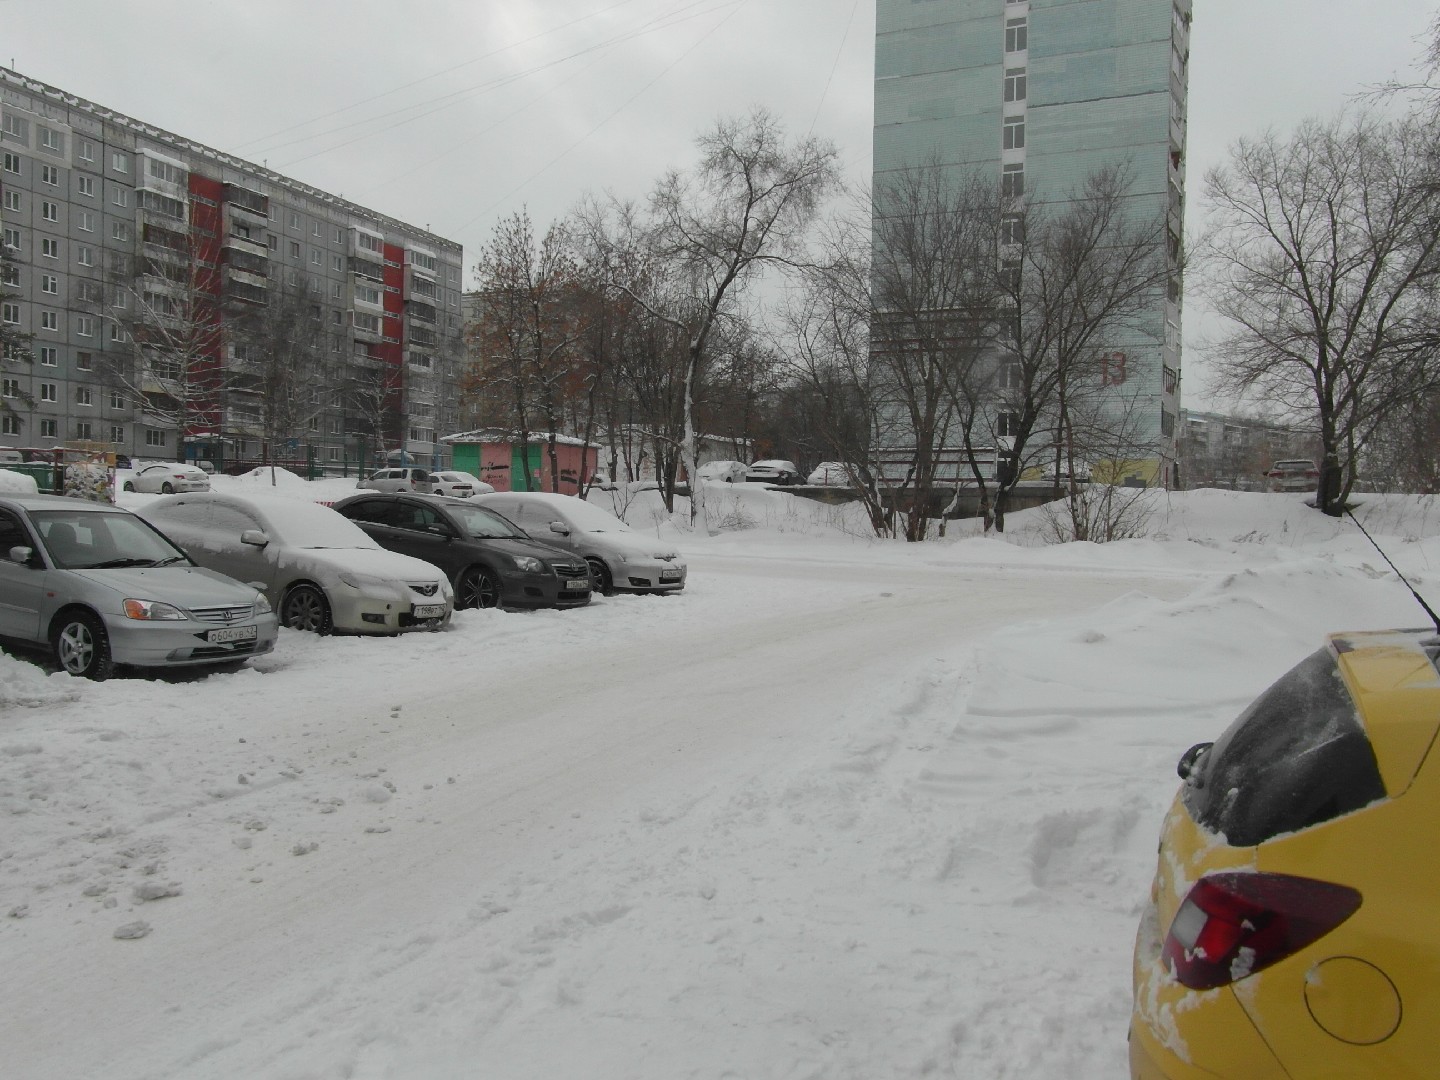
(1293, 931)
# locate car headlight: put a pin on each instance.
(152, 611)
(374, 587)
(529, 564)
(262, 604)
(667, 556)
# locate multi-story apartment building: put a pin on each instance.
(1042, 94)
(136, 252)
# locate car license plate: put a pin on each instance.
(230, 633)
(577, 583)
(429, 611)
(670, 575)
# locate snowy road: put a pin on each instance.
(518, 848)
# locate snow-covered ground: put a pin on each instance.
(842, 809)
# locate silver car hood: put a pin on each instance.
(185, 586)
(371, 562)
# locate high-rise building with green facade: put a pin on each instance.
(1043, 93)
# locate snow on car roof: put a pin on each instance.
(301, 523)
(579, 513)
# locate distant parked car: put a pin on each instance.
(206, 466)
(1296, 475)
(620, 558)
(167, 479)
(489, 561)
(727, 472)
(773, 471)
(320, 571)
(99, 586)
(408, 478)
(460, 484)
(830, 474)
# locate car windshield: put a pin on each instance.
(585, 517)
(485, 524)
(304, 524)
(98, 541)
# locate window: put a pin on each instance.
(85, 221)
(15, 127)
(337, 236)
(50, 320)
(121, 196)
(10, 274)
(47, 355)
(49, 248)
(87, 291)
(116, 333)
(1015, 35)
(84, 255)
(314, 256)
(1014, 133)
(49, 211)
(315, 229)
(117, 433)
(1007, 425)
(48, 391)
(337, 263)
(163, 170)
(10, 313)
(12, 200)
(1012, 229)
(1167, 423)
(366, 294)
(427, 262)
(272, 241)
(86, 152)
(117, 399)
(12, 239)
(49, 174)
(120, 162)
(49, 429)
(10, 425)
(49, 283)
(119, 230)
(85, 325)
(84, 396)
(12, 163)
(1015, 84)
(83, 361)
(370, 243)
(367, 322)
(1012, 181)
(85, 185)
(51, 140)
(83, 430)
(1010, 277)
(335, 290)
(154, 438)
(294, 221)
(9, 388)
(294, 249)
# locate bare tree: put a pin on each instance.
(744, 209)
(1322, 258)
(14, 342)
(1082, 278)
(275, 363)
(526, 339)
(170, 311)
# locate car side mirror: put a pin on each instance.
(1191, 758)
(436, 528)
(559, 527)
(22, 553)
(254, 537)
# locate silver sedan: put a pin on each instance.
(165, 479)
(319, 569)
(99, 587)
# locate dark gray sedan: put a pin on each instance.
(99, 586)
(490, 562)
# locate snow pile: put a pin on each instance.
(17, 483)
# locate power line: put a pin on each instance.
(833, 67)
(619, 109)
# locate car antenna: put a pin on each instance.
(1418, 598)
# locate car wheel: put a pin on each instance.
(129, 486)
(305, 608)
(477, 587)
(604, 583)
(167, 488)
(81, 646)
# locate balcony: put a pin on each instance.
(421, 310)
(246, 292)
(366, 268)
(247, 261)
(240, 242)
(244, 201)
(421, 336)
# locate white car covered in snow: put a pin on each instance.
(319, 569)
(620, 558)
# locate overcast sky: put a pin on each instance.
(454, 113)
